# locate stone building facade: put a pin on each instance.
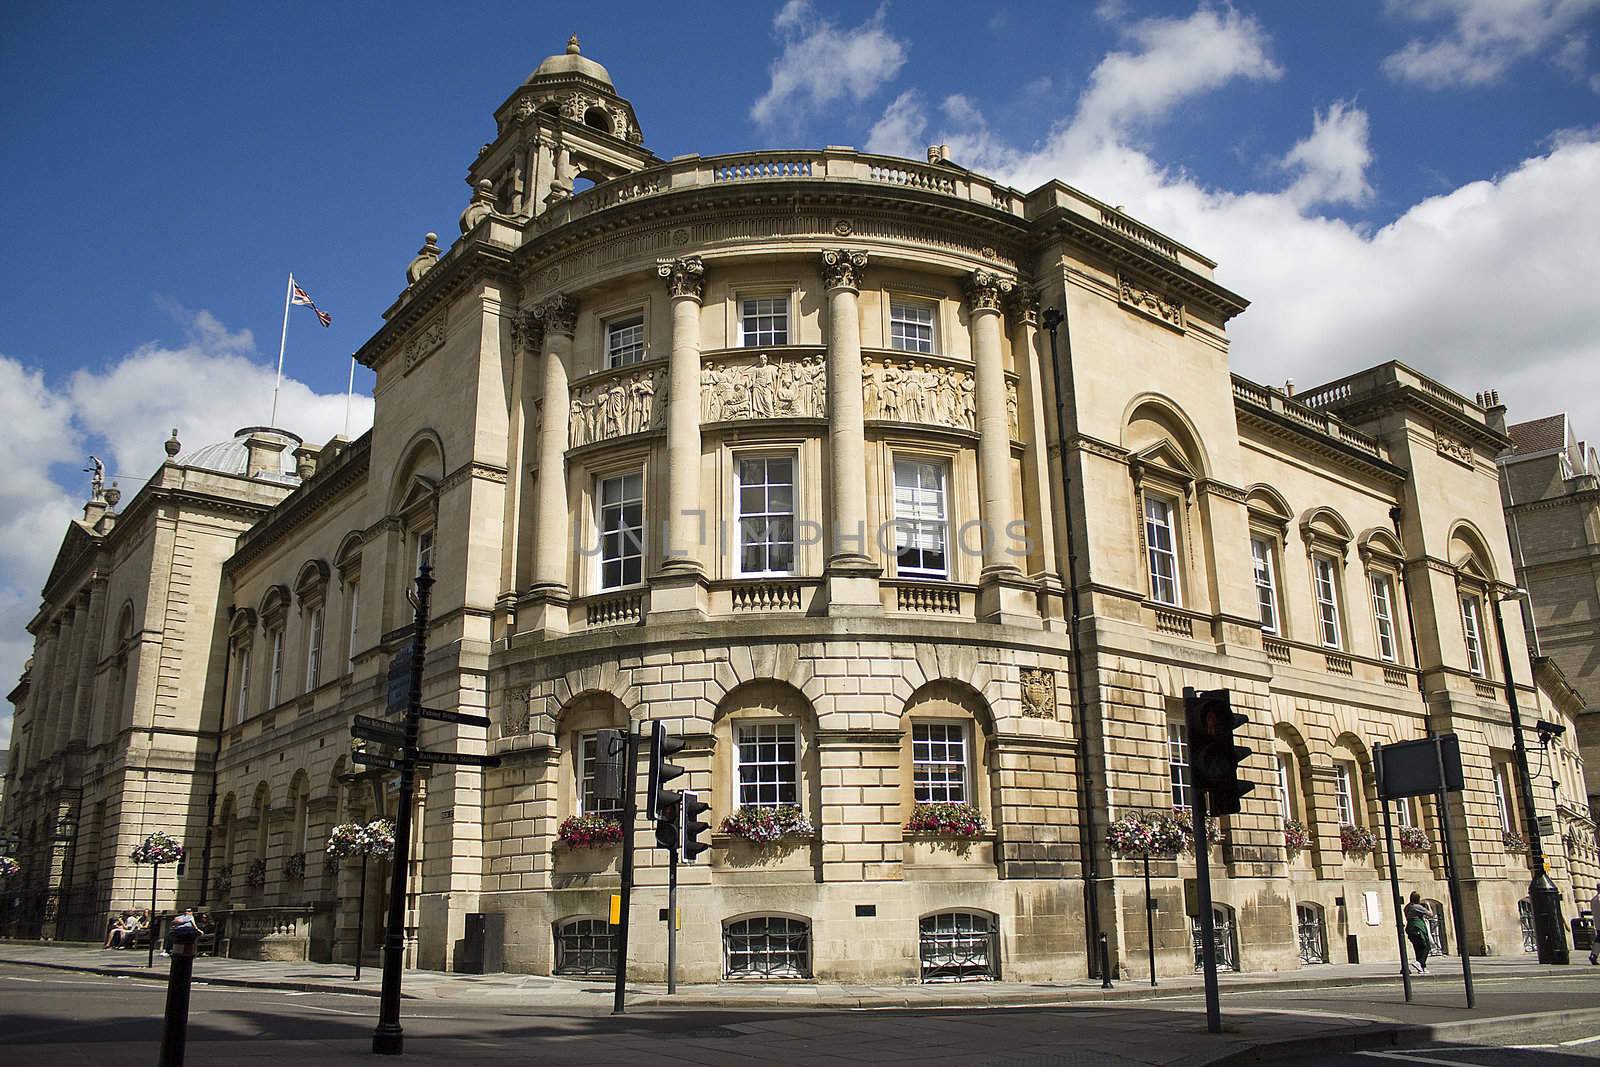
(773, 447)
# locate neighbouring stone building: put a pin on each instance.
(773, 447)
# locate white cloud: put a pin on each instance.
(1484, 38)
(207, 387)
(822, 63)
(1332, 162)
(899, 131)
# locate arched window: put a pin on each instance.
(959, 946)
(1435, 921)
(585, 946)
(946, 759)
(768, 731)
(767, 946)
(581, 722)
(1227, 944)
(1311, 932)
(311, 590)
(1167, 466)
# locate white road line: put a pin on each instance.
(1411, 1057)
(15, 978)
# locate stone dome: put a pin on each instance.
(233, 456)
(572, 61)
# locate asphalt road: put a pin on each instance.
(1577, 1045)
(52, 1018)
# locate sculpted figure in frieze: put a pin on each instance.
(764, 389)
(918, 392)
(617, 407)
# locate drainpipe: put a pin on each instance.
(1053, 318)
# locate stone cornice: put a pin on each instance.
(469, 259)
(1287, 429)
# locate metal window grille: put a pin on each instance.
(1383, 612)
(959, 946)
(625, 342)
(1530, 942)
(1327, 601)
(768, 946)
(920, 518)
(765, 492)
(764, 320)
(585, 946)
(939, 763)
(768, 765)
(1178, 764)
(1162, 550)
(621, 530)
(588, 765)
(1266, 586)
(911, 327)
(1435, 923)
(1309, 932)
(1227, 956)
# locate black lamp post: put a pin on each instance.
(1543, 895)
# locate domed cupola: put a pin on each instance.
(563, 126)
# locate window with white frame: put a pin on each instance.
(939, 763)
(244, 683)
(1178, 764)
(764, 494)
(1344, 793)
(1383, 616)
(1266, 583)
(620, 502)
(768, 765)
(353, 599)
(763, 320)
(1502, 797)
(275, 677)
(314, 649)
(588, 768)
(424, 549)
(921, 523)
(625, 341)
(1162, 549)
(911, 326)
(1470, 629)
(1285, 799)
(1327, 590)
(1402, 813)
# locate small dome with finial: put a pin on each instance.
(173, 445)
(573, 61)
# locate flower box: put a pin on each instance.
(946, 820)
(256, 876)
(1414, 840)
(1357, 840)
(590, 831)
(9, 867)
(765, 825)
(158, 848)
(1296, 836)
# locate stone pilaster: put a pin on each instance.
(681, 586)
(552, 553)
(1034, 418)
(852, 576)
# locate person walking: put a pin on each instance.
(1594, 917)
(1417, 915)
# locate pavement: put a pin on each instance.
(317, 1014)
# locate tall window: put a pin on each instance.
(1402, 813)
(768, 766)
(244, 683)
(1162, 549)
(1178, 764)
(275, 678)
(763, 320)
(764, 487)
(911, 326)
(939, 763)
(1266, 584)
(921, 521)
(1469, 627)
(1285, 801)
(625, 341)
(1502, 796)
(355, 615)
(1383, 614)
(1327, 600)
(1344, 793)
(621, 500)
(424, 549)
(314, 649)
(588, 766)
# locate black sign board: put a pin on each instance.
(373, 759)
(459, 758)
(379, 730)
(400, 681)
(461, 718)
(1411, 768)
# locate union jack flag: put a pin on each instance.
(300, 297)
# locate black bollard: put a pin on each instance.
(175, 1027)
(1105, 963)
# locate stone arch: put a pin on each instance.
(926, 721)
(1321, 525)
(1266, 502)
(310, 580)
(275, 601)
(1151, 418)
(1469, 551)
(1380, 543)
(779, 663)
(958, 693)
(1364, 792)
(300, 799)
(585, 713)
(751, 706)
(596, 117)
(419, 472)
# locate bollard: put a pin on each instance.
(1105, 963)
(175, 1027)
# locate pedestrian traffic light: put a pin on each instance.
(1213, 757)
(693, 810)
(662, 745)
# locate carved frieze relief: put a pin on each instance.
(1452, 448)
(1038, 693)
(617, 407)
(918, 391)
(1149, 302)
(764, 388)
(424, 341)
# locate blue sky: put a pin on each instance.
(1381, 179)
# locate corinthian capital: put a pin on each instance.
(557, 314)
(527, 332)
(986, 290)
(1024, 304)
(843, 268)
(686, 276)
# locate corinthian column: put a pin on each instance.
(557, 316)
(686, 284)
(852, 584)
(1033, 422)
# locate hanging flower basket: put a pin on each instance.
(947, 820)
(1357, 840)
(1414, 839)
(344, 840)
(1296, 837)
(9, 867)
(590, 831)
(295, 869)
(768, 825)
(1147, 833)
(379, 837)
(223, 882)
(256, 876)
(1513, 841)
(1183, 818)
(157, 848)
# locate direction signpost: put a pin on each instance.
(375, 759)
(460, 718)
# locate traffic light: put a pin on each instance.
(1213, 757)
(667, 829)
(662, 745)
(693, 810)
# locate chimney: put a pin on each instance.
(305, 460)
(1288, 387)
(265, 447)
(938, 153)
(1494, 412)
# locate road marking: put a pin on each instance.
(1411, 1057)
(15, 978)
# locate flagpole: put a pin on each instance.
(283, 339)
(348, 393)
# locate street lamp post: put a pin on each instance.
(1543, 895)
